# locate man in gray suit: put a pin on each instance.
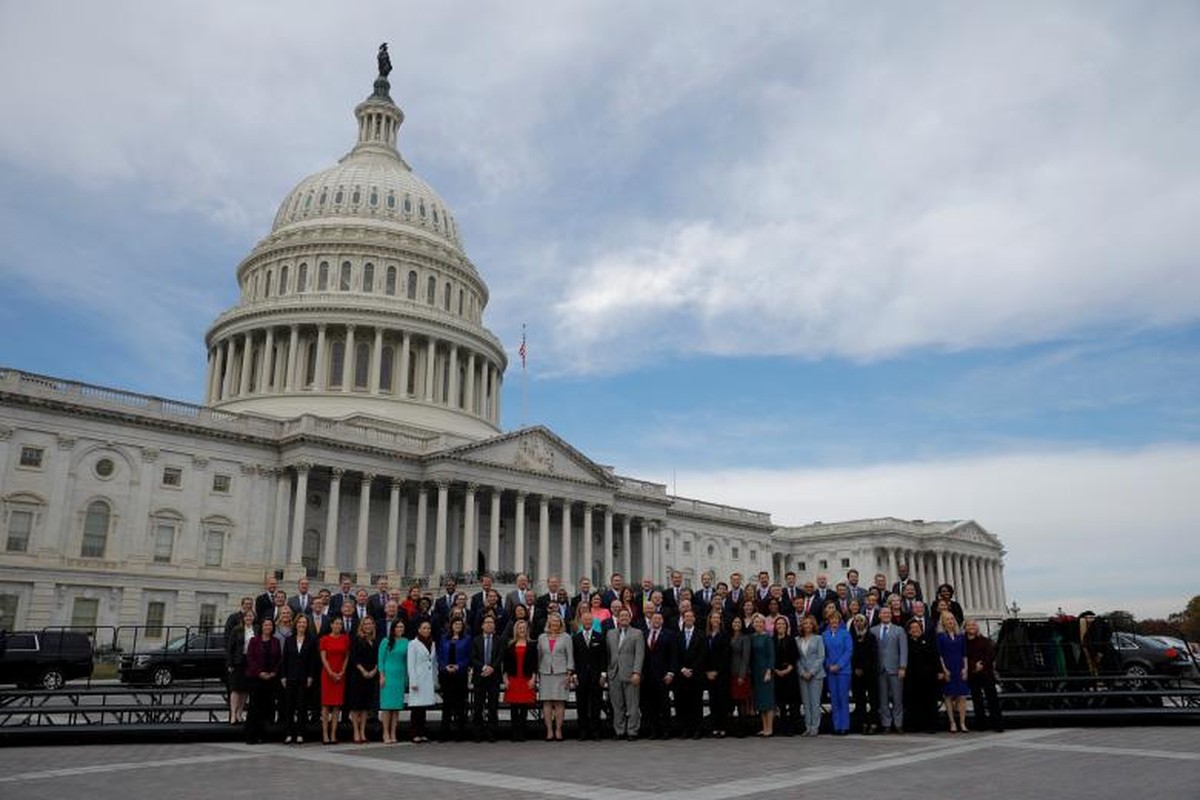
(893, 660)
(627, 651)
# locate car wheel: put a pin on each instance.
(162, 676)
(52, 680)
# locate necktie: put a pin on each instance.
(883, 634)
(487, 650)
(653, 639)
(687, 638)
(621, 639)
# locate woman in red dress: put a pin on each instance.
(520, 673)
(335, 649)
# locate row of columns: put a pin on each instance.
(231, 363)
(397, 527)
(978, 581)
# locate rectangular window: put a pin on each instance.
(208, 616)
(8, 613)
(20, 524)
(84, 612)
(164, 543)
(32, 457)
(845, 563)
(172, 476)
(801, 566)
(156, 613)
(687, 547)
(734, 553)
(754, 555)
(214, 548)
(221, 484)
(823, 564)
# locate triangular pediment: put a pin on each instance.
(971, 531)
(535, 450)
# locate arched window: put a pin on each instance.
(446, 297)
(412, 285)
(374, 198)
(311, 551)
(302, 279)
(321, 200)
(431, 291)
(344, 283)
(95, 529)
(387, 358)
(461, 298)
(368, 277)
(283, 278)
(310, 365)
(391, 200)
(323, 277)
(362, 364)
(407, 204)
(267, 285)
(356, 196)
(390, 286)
(337, 359)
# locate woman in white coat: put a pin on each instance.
(422, 672)
(811, 670)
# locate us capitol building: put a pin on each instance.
(351, 424)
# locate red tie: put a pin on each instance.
(653, 639)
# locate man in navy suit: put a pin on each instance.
(689, 687)
(487, 659)
(853, 590)
(661, 666)
(591, 661)
(898, 586)
(479, 599)
(441, 607)
(377, 603)
(616, 583)
(264, 604)
(737, 593)
(702, 598)
(342, 595)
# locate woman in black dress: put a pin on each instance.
(922, 684)
(864, 680)
(787, 686)
(362, 685)
(236, 643)
(716, 674)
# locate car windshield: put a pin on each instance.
(177, 645)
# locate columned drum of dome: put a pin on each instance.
(361, 303)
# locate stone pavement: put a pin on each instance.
(1055, 764)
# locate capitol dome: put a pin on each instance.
(361, 303)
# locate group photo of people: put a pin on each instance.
(632, 662)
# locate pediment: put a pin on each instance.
(972, 532)
(535, 450)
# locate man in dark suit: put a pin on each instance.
(898, 586)
(591, 660)
(855, 591)
(733, 601)
(479, 599)
(346, 592)
(791, 590)
(661, 666)
(702, 598)
(264, 604)
(320, 616)
(442, 605)
(349, 618)
(824, 595)
(881, 588)
(870, 608)
(689, 688)
(553, 584)
(235, 619)
(487, 658)
(377, 603)
(928, 627)
(616, 583)
(671, 597)
(762, 592)
(517, 596)
(583, 596)
(301, 601)
(643, 595)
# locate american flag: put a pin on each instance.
(521, 349)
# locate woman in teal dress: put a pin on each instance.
(393, 679)
(762, 664)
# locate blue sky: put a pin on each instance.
(823, 260)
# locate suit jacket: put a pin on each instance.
(893, 649)
(440, 613)
(812, 660)
(734, 600)
(580, 598)
(591, 656)
(663, 657)
(496, 662)
(558, 661)
(234, 620)
(790, 593)
(821, 600)
(293, 603)
(264, 606)
(349, 629)
(320, 626)
(717, 656)
(898, 588)
(761, 600)
(530, 662)
(625, 658)
(607, 596)
(376, 606)
(703, 606)
(299, 661)
(337, 599)
(871, 615)
(511, 599)
(692, 656)
(858, 593)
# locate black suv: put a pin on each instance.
(193, 656)
(44, 658)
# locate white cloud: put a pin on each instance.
(1101, 528)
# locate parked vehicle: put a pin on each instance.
(46, 659)
(193, 656)
(1139, 656)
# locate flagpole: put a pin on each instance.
(524, 381)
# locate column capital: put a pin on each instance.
(397, 483)
(321, 326)
(588, 507)
(368, 477)
(442, 485)
(522, 494)
(338, 472)
(350, 326)
(544, 499)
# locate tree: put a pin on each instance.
(1122, 621)
(1189, 620)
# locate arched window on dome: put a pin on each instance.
(391, 201)
(368, 283)
(356, 196)
(302, 278)
(421, 209)
(337, 360)
(431, 291)
(374, 198)
(96, 523)
(435, 216)
(411, 289)
(337, 198)
(310, 365)
(283, 279)
(323, 277)
(308, 201)
(446, 292)
(321, 199)
(344, 283)
(461, 299)
(390, 284)
(267, 285)
(407, 204)
(362, 364)
(386, 365)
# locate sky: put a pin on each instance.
(826, 260)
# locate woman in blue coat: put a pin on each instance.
(454, 658)
(762, 667)
(839, 649)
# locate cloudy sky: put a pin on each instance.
(826, 261)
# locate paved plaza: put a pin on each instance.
(1048, 763)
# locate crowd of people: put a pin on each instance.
(641, 662)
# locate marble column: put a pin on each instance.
(647, 551)
(493, 561)
(376, 362)
(452, 379)
(627, 549)
(588, 553)
(403, 566)
(208, 376)
(941, 567)
(543, 562)
(608, 545)
(439, 542)
(519, 564)
(405, 357)
(266, 373)
(321, 374)
(330, 564)
(364, 521)
(289, 379)
(221, 382)
(470, 548)
(422, 531)
(243, 387)
(469, 391)
(348, 361)
(393, 528)
(430, 354)
(568, 553)
(298, 508)
(893, 571)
